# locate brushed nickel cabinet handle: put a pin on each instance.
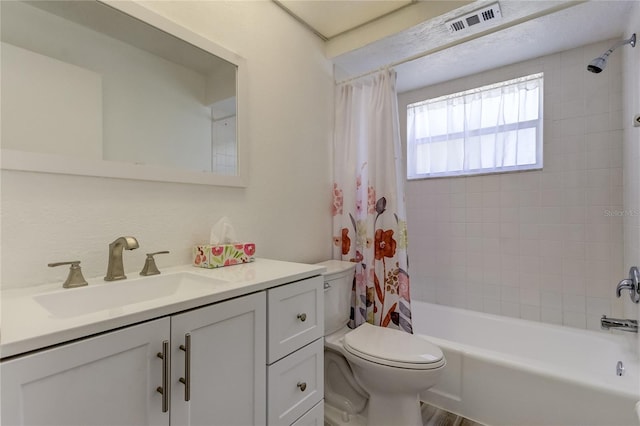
(164, 389)
(302, 317)
(186, 380)
(302, 386)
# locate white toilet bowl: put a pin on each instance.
(393, 367)
(385, 369)
(342, 391)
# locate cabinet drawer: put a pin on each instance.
(295, 384)
(313, 417)
(296, 316)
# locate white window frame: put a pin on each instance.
(536, 124)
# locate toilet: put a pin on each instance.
(373, 375)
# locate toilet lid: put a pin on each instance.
(393, 347)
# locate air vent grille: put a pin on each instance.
(458, 25)
(476, 19)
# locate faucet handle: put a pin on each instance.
(75, 278)
(632, 284)
(150, 267)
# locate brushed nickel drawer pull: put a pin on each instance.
(302, 317)
(186, 380)
(164, 389)
(302, 386)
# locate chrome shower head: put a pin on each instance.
(597, 65)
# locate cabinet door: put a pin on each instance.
(225, 350)
(107, 380)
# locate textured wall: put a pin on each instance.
(285, 209)
(541, 245)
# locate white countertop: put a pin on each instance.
(27, 325)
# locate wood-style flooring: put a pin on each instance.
(432, 416)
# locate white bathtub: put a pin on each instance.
(504, 371)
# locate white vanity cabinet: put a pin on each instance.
(224, 347)
(218, 353)
(107, 380)
(296, 353)
(113, 379)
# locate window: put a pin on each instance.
(495, 128)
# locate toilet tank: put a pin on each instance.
(338, 281)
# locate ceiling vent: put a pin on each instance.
(475, 19)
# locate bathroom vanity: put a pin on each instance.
(239, 345)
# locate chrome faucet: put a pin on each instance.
(619, 324)
(115, 269)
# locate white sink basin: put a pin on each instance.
(118, 294)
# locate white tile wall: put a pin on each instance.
(541, 245)
(631, 156)
(223, 146)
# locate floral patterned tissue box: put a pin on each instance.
(216, 256)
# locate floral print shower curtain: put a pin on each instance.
(369, 220)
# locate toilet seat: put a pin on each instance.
(393, 348)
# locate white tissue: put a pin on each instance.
(222, 232)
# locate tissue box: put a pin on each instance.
(216, 256)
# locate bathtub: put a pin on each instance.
(505, 371)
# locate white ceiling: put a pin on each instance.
(577, 25)
(331, 18)
(427, 53)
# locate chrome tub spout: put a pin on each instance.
(619, 324)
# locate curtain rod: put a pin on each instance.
(497, 28)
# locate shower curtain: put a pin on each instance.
(369, 220)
